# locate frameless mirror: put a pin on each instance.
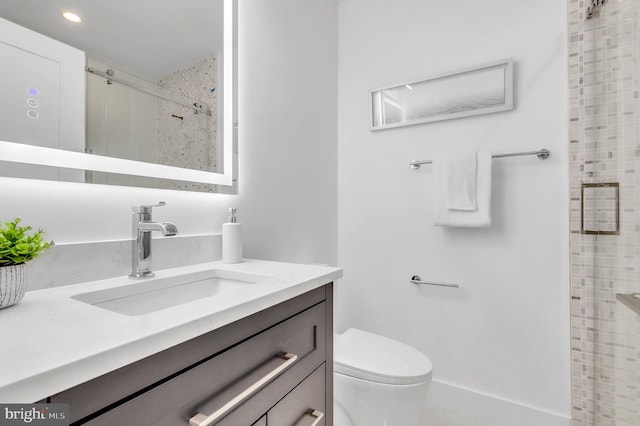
(139, 93)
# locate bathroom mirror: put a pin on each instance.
(483, 89)
(147, 97)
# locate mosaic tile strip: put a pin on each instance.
(604, 146)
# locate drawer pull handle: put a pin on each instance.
(317, 415)
(204, 420)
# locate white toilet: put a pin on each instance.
(378, 381)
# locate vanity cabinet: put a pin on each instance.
(274, 367)
(261, 422)
(293, 408)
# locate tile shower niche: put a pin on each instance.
(600, 208)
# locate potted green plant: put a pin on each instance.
(17, 246)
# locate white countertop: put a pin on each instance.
(51, 342)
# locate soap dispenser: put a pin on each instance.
(232, 239)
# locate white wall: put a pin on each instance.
(288, 129)
(287, 203)
(505, 332)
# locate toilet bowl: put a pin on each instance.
(378, 381)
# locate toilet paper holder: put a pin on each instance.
(417, 280)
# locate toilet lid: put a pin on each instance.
(379, 359)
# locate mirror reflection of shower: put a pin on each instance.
(49, 57)
(171, 121)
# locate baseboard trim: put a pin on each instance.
(491, 409)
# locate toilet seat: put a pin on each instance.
(379, 359)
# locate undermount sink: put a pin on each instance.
(144, 297)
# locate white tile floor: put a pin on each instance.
(438, 416)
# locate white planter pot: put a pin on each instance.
(13, 284)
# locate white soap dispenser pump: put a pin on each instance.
(232, 239)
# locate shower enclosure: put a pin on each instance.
(604, 144)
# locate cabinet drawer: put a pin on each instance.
(117, 386)
(261, 422)
(209, 385)
(305, 405)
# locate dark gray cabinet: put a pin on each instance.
(261, 422)
(273, 368)
(302, 406)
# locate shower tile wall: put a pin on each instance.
(604, 144)
(184, 137)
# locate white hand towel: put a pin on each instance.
(481, 216)
(460, 181)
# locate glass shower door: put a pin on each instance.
(610, 193)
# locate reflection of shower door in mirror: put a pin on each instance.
(171, 121)
(42, 102)
(186, 82)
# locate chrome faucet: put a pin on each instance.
(142, 227)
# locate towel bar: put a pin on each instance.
(417, 280)
(542, 154)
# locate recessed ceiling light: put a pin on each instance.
(72, 17)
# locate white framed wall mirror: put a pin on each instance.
(138, 94)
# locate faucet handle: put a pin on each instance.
(146, 208)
